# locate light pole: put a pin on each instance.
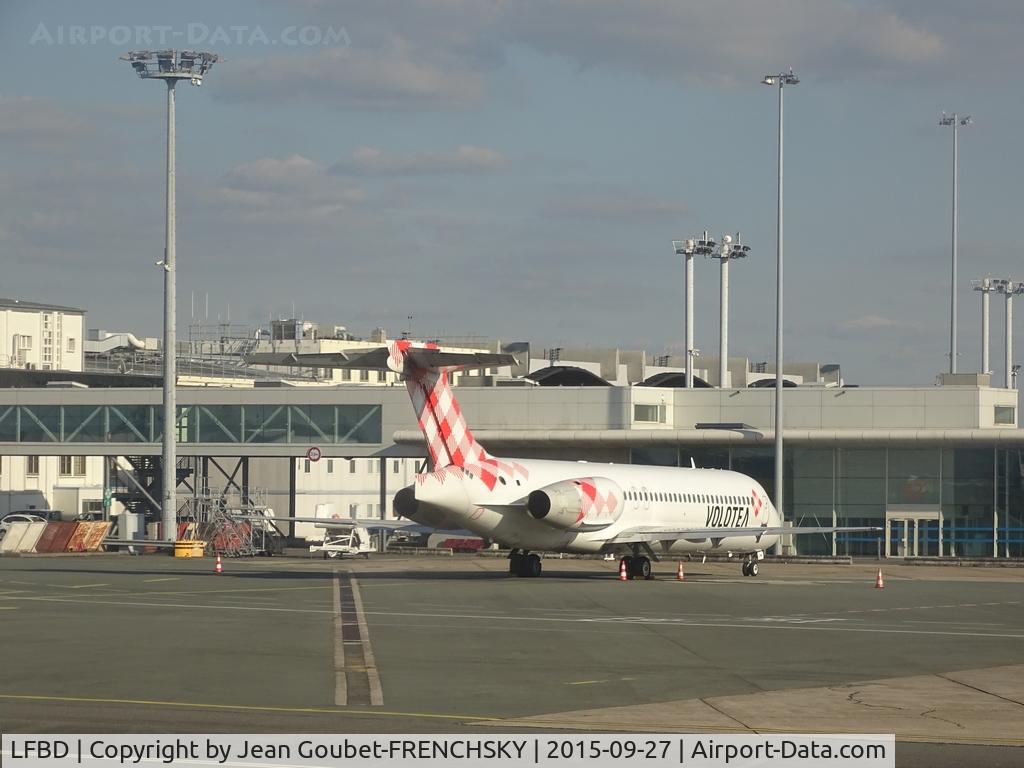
(170, 66)
(781, 80)
(985, 287)
(1009, 288)
(955, 121)
(730, 250)
(689, 248)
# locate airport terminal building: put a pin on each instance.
(940, 467)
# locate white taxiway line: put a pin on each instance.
(191, 606)
(687, 624)
(340, 684)
(372, 676)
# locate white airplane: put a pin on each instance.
(532, 505)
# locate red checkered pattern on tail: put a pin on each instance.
(757, 503)
(448, 437)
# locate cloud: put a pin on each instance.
(875, 327)
(37, 121)
(614, 206)
(724, 42)
(392, 77)
(293, 188)
(377, 162)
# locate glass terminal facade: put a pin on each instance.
(250, 423)
(931, 501)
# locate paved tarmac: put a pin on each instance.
(424, 644)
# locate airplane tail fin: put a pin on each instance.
(424, 367)
(449, 438)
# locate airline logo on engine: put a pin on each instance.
(727, 517)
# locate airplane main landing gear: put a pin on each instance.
(524, 564)
(637, 567)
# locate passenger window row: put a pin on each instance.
(687, 498)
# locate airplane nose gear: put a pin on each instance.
(750, 567)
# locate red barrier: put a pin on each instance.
(56, 537)
(46, 540)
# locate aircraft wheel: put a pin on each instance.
(753, 568)
(515, 564)
(641, 567)
(532, 566)
(746, 567)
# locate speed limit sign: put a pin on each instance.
(314, 454)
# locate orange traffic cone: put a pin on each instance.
(679, 571)
(218, 567)
(879, 582)
(623, 576)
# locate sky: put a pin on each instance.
(518, 170)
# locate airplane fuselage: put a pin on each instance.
(581, 507)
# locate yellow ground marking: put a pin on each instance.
(245, 708)
(9, 607)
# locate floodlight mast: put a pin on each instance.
(781, 80)
(689, 248)
(985, 286)
(955, 121)
(170, 66)
(1009, 288)
(731, 249)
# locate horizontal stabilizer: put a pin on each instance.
(377, 359)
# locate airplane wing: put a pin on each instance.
(336, 521)
(643, 534)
